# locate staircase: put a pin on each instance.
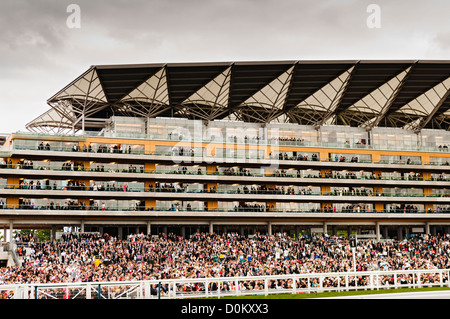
(8, 256)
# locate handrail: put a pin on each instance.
(217, 287)
(254, 140)
(76, 207)
(126, 188)
(279, 156)
(141, 170)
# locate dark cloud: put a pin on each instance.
(39, 54)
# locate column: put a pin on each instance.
(385, 232)
(399, 232)
(53, 233)
(149, 228)
(349, 231)
(82, 226)
(427, 228)
(325, 228)
(377, 231)
(269, 228)
(11, 239)
(211, 228)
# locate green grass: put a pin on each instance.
(335, 294)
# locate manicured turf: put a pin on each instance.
(334, 294)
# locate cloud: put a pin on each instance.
(39, 54)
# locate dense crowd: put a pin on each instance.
(142, 257)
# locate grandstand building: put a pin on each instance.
(293, 146)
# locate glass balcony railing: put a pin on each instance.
(237, 173)
(277, 157)
(240, 190)
(270, 140)
(65, 208)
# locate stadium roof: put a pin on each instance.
(391, 93)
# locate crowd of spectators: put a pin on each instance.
(294, 157)
(142, 257)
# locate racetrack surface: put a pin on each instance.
(405, 295)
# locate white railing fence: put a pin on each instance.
(232, 286)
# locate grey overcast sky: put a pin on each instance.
(40, 53)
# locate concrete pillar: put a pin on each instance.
(120, 232)
(211, 228)
(349, 230)
(53, 233)
(149, 228)
(385, 232)
(269, 228)
(297, 231)
(165, 230)
(241, 230)
(399, 232)
(325, 228)
(427, 228)
(82, 226)
(183, 231)
(100, 230)
(377, 231)
(11, 239)
(334, 228)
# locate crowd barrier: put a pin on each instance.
(232, 286)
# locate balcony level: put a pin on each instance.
(321, 164)
(212, 177)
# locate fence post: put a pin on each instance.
(294, 286)
(320, 284)
(339, 283)
(395, 280)
(346, 282)
(174, 289)
(309, 284)
(418, 280)
(159, 290)
(141, 291)
(266, 287)
(88, 291)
